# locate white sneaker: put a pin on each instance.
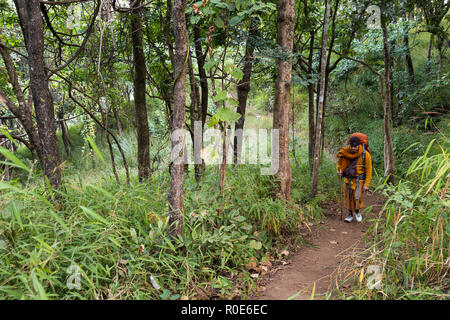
(349, 218)
(358, 217)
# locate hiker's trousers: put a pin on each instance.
(350, 199)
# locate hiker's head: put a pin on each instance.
(354, 144)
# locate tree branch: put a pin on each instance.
(53, 31)
(88, 32)
(53, 3)
(361, 62)
(19, 138)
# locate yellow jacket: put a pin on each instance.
(359, 170)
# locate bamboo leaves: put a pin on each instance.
(95, 216)
(15, 161)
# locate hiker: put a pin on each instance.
(355, 165)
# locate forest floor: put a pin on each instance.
(313, 266)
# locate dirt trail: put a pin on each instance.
(316, 262)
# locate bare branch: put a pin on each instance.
(361, 62)
(53, 3)
(88, 32)
(50, 26)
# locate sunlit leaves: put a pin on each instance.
(224, 115)
(220, 96)
(237, 74)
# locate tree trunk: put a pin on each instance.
(4, 143)
(243, 88)
(439, 45)
(195, 115)
(31, 21)
(64, 136)
(327, 75)
(24, 111)
(285, 37)
(311, 104)
(203, 84)
(430, 46)
(408, 60)
(391, 78)
(143, 134)
(320, 106)
(113, 162)
(179, 63)
(118, 123)
(387, 103)
(226, 133)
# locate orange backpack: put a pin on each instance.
(363, 138)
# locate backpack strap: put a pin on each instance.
(363, 175)
(364, 157)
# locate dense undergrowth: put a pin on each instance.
(103, 240)
(408, 244)
(408, 252)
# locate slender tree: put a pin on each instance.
(311, 124)
(22, 111)
(200, 57)
(320, 106)
(179, 63)
(387, 104)
(408, 59)
(195, 115)
(64, 136)
(31, 22)
(139, 80)
(243, 87)
(285, 37)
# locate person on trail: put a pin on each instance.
(354, 163)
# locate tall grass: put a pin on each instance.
(114, 237)
(410, 245)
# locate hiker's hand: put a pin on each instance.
(366, 188)
(339, 174)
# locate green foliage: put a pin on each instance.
(15, 161)
(117, 237)
(411, 244)
(224, 115)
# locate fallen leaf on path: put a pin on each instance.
(267, 263)
(251, 265)
(333, 242)
(285, 253)
(254, 275)
(344, 232)
(332, 229)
